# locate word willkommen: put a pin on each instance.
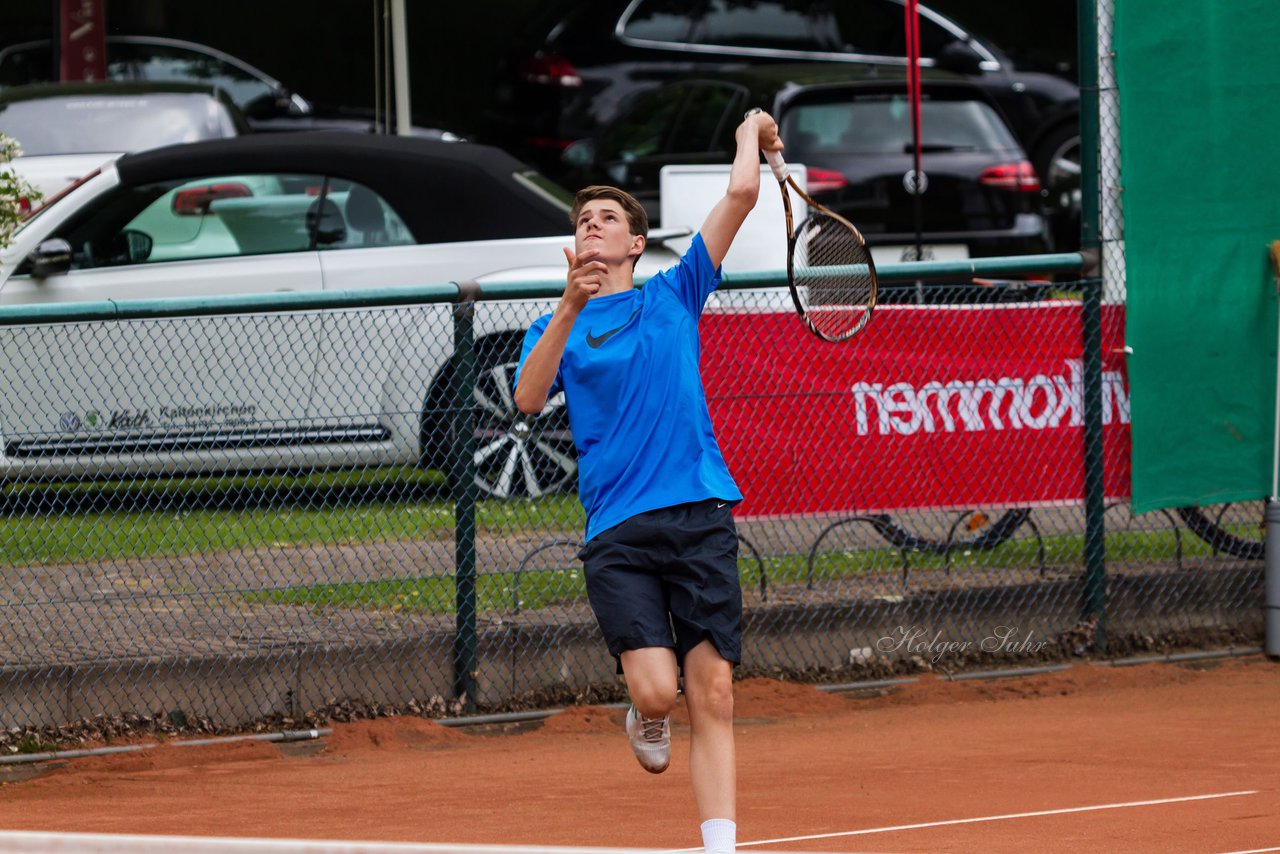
(1009, 403)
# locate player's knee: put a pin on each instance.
(653, 700)
(715, 697)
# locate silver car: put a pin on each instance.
(67, 130)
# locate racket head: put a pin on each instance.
(832, 276)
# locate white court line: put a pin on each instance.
(955, 821)
(1253, 851)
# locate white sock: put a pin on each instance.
(719, 836)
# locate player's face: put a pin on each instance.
(603, 226)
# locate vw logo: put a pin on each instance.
(69, 422)
(910, 184)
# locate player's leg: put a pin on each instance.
(706, 613)
(708, 691)
(629, 600)
(652, 683)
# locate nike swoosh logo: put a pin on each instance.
(594, 341)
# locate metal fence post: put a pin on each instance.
(464, 496)
(1094, 605)
(1272, 579)
(1095, 565)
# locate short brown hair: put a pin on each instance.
(637, 219)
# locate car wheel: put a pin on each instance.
(516, 455)
(1058, 164)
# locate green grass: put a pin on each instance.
(494, 592)
(78, 524)
(102, 536)
(229, 514)
(545, 587)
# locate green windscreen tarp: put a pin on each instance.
(1199, 88)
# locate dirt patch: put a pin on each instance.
(585, 719)
(932, 689)
(168, 756)
(389, 734)
(770, 698)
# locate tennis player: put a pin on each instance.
(661, 553)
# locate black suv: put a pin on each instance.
(851, 129)
(576, 72)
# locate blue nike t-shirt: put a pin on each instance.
(634, 396)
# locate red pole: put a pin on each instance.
(82, 41)
(913, 93)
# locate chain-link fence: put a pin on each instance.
(253, 517)
(246, 515)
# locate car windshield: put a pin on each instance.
(178, 64)
(883, 126)
(128, 60)
(83, 124)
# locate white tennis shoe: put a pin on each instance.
(650, 740)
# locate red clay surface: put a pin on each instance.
(810, 764)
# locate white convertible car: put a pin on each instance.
(293, 390)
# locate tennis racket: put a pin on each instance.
(829, 268)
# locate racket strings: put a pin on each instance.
(833, 276)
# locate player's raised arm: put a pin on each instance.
(758, 132)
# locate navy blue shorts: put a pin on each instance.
(668, 578)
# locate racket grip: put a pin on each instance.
(777, 164)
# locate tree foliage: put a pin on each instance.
(16, 195)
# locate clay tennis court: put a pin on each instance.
(1156, 757)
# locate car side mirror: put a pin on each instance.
(50, 258)
(581, 153)
(960, 58)
(276, 103)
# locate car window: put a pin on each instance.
(175, 64)
(211, 217)
(703, 117)
(359, 218)
(802, 25)
(883, 126)
(877, 27)
(658, 20)
(81, 124)
(641, 131)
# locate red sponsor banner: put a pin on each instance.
(82, 44)
(929, 407)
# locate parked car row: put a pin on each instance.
(581, 74)
(664, 84)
